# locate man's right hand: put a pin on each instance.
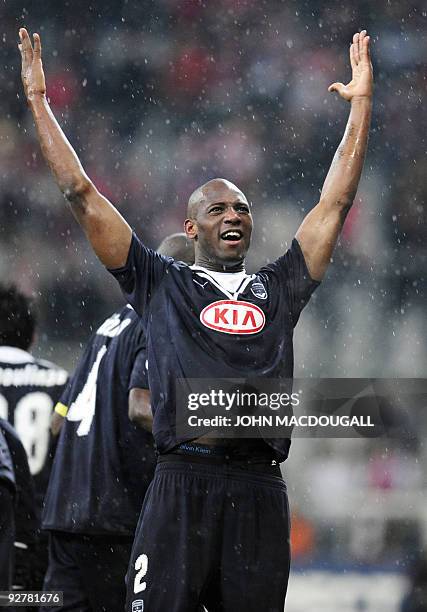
(32, 69)
(105, 228)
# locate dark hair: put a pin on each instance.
(17, 318)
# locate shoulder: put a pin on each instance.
(57, 374)
(115, 324)
(12, 355)
(177, 272)
(290, 266)
(138, 250)
(178, 267)
(14, 361)
(50, 365)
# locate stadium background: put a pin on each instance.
(158, 97)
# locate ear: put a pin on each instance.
(190, 228)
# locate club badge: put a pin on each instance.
(259, 290)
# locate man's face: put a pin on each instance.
(222, 225)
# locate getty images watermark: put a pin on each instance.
(281, 408)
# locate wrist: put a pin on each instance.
(33, 96)
(367, 100)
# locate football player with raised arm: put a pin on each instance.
(214, 528)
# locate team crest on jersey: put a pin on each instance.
(138, 605)
(233, 317)
(259, 290)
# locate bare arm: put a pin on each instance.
(105, 228)
(320, 229)
(140, 408)
(56, 423)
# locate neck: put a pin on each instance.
(214, 266)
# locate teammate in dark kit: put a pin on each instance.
(29, 390)
(214, 525)
(103, 465)
(16, 492)
(103, 462)
(7, 514)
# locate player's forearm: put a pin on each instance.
(145, 421)
(140, 408)
(342, 180)
(141, 415)
(57, 150)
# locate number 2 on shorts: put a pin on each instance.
(141, 566)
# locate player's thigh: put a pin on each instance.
(63, 574)
(103, 562)
(255, 553)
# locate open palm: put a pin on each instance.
(32, 70)
(361, 83)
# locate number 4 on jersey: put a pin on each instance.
(83, 408)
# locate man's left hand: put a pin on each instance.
(361, 84)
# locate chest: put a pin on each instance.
(200, 305)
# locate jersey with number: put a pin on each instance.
(29, 390)
(103, 462)
(198, 328)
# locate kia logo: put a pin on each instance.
(233, 317)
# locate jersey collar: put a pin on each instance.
(215, 279)
(12, 354)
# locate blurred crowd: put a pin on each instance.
(358, 502)
(158, 97)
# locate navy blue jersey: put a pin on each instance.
(26, 515)
(103, 462)
(29, 390)
(7, 473)
(197, 329)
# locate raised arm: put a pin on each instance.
(320, 229)
(105, 228)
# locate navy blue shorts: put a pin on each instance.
(211, 533)
(90, 570)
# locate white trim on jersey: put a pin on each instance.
(12, 354)
(229, 283)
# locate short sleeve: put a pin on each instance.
(62, 405)
(139, 277)
(139, 374)
(294, 278)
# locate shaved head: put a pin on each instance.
(212, 188)
(179, 247)
(219, 222)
